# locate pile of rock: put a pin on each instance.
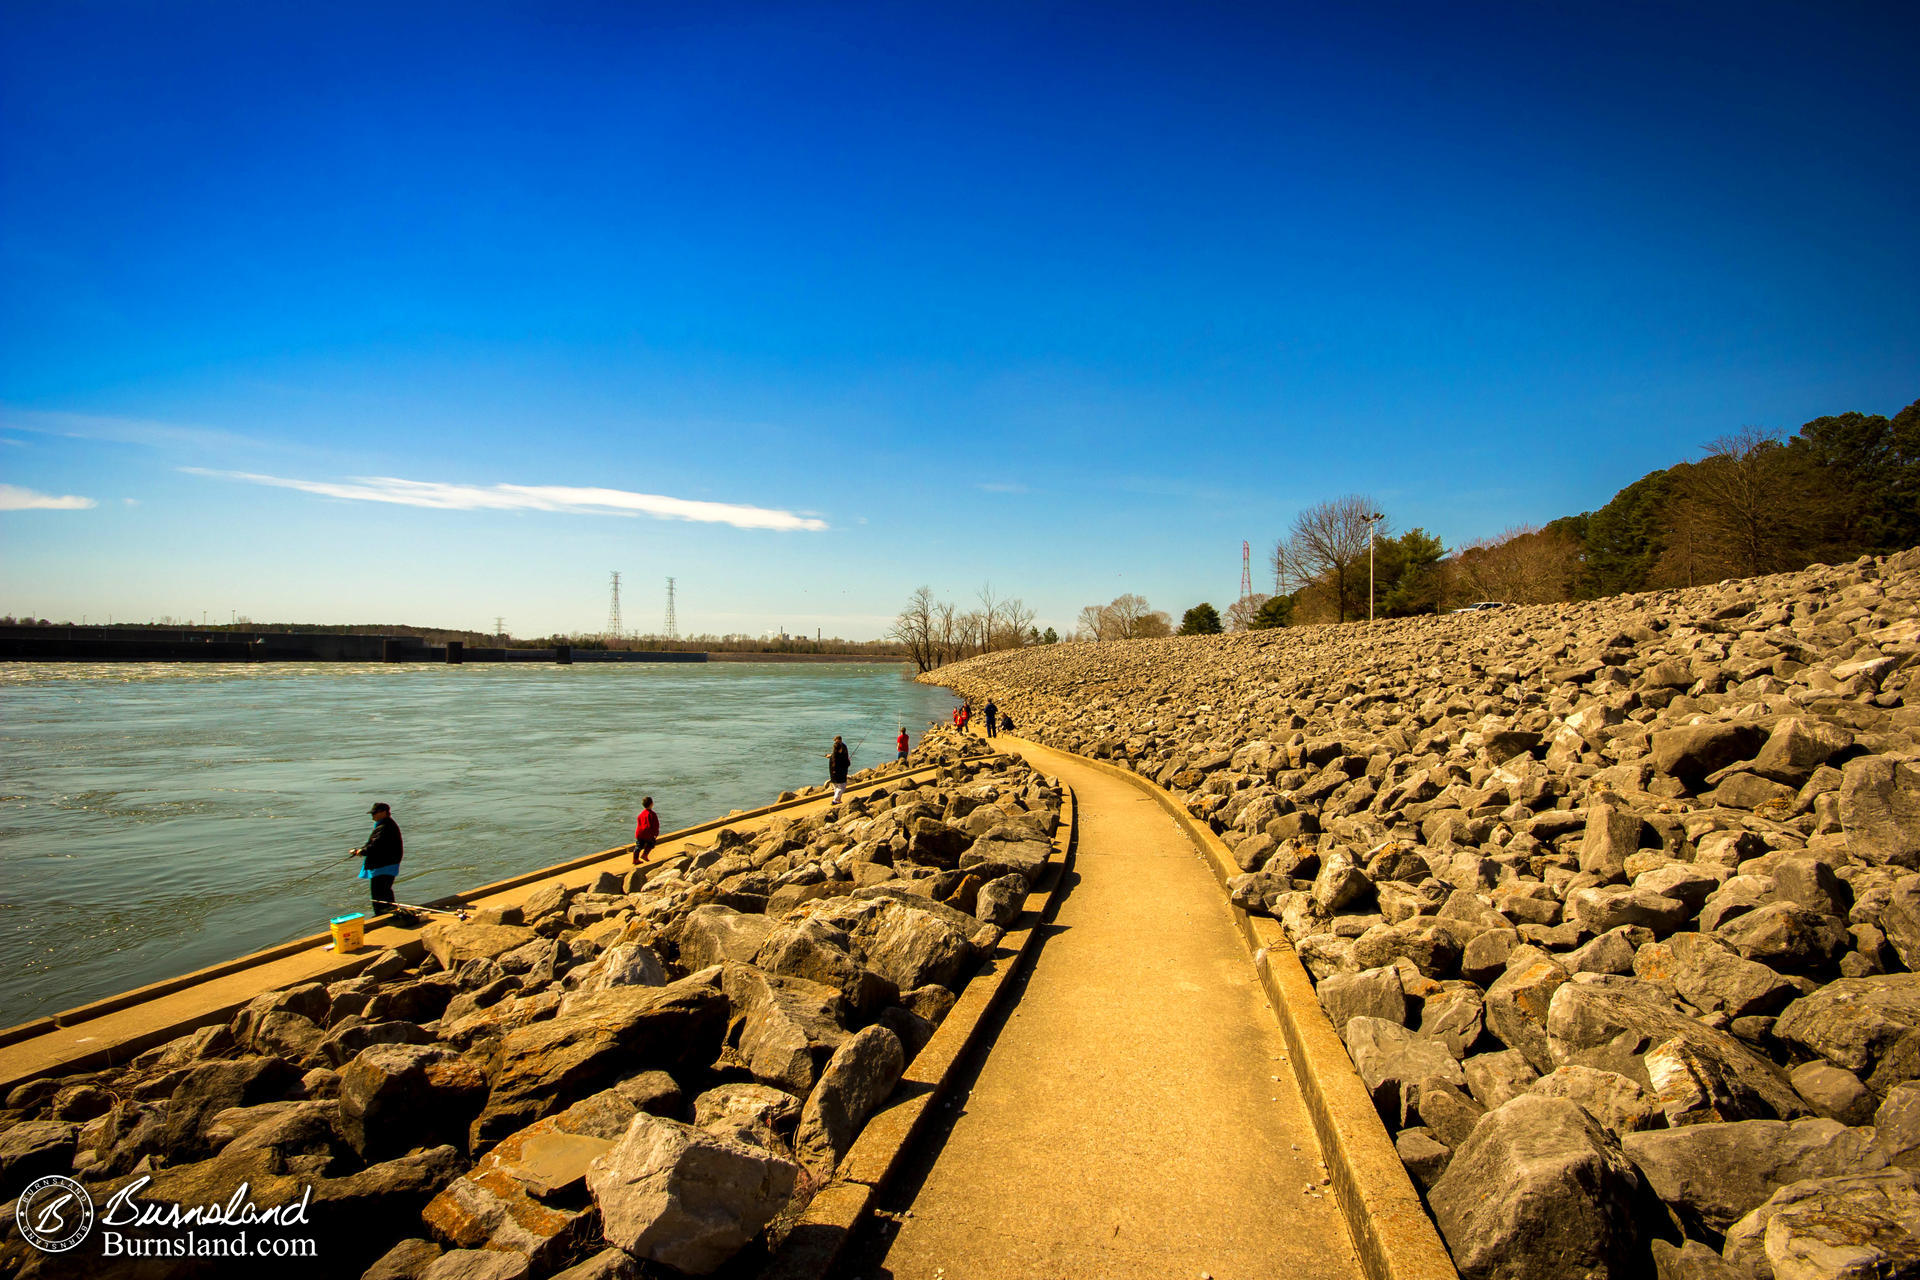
(660, 1067)
(1614, 903)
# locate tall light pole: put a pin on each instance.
(1373, 527)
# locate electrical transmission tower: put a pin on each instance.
(673, 629)
(500, 627)
(613, 610)
(1246, 571)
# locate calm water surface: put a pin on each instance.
(155, 818)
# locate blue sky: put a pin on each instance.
(1071, 299)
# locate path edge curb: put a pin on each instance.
(877, 1156)
(1392, 1232)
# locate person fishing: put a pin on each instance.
(646, 830)
(901, 742)
(839, 760)
(380, 856)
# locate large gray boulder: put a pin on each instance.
(545, 1066)
(691, 1199)
(1852, 1227)
(1715, 1174)
(860, 1076)
(1870, 1026)
(1006, 851)
(785, 1028)
(1001, 900)
(812, 949)
(1696, 1071)
(1612, 834)
(1880, 811)
(1900, 919)
(1340, 884)
(1395, 1064)
(1517, 1006)
(1896, 1127)
(1797, 747)
(1621, 1105)
(1496, 1079)
(1539, 1191)
(395, 1097)
(908, 941)
(1710, 975)
(713, 934)
(1692, 752)
(1374, 993)
(1609, 907)
(31, 1149)
(1785, 935)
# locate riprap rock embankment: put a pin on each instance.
(1615, 904)
(662, 1068)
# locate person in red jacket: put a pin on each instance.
(646, 830)
(901, 742)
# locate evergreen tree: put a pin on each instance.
(1201, 620)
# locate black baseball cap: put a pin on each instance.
(380, 806)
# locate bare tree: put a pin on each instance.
(1124, 614)
(914, 628)
(1241, 613)
(1743, 502)
(1327, 551)
(1521, 565)
(1125, 617)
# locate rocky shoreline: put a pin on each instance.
(650, 1076)
(1614, 903)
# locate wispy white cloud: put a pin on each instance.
(14, 498)
(517, 497)
(139, 431)
(998, 486)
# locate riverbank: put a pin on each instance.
(164, 817)
(1602, 896)
(667, 1063)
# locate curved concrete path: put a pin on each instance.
(1136, 1116)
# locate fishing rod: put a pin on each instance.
(456, 913)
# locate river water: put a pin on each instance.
(155, 818)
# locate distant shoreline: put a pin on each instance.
(749, 656)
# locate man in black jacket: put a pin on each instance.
(838, 761)
(381, 856)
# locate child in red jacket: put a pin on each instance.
(646, 830)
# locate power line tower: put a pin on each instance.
(500, 627)
(1246, 571)
(673, 629)
(613, 610)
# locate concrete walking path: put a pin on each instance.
(1136, 1116)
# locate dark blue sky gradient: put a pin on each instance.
(1174, 272)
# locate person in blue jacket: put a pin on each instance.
(380, 856)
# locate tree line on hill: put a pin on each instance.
(1754, 502)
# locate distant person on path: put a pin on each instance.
(646, 830)
(992, 713)
(838, 761)
(966, 714)
(380, 856)
(901, 742)
(1006, 723)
